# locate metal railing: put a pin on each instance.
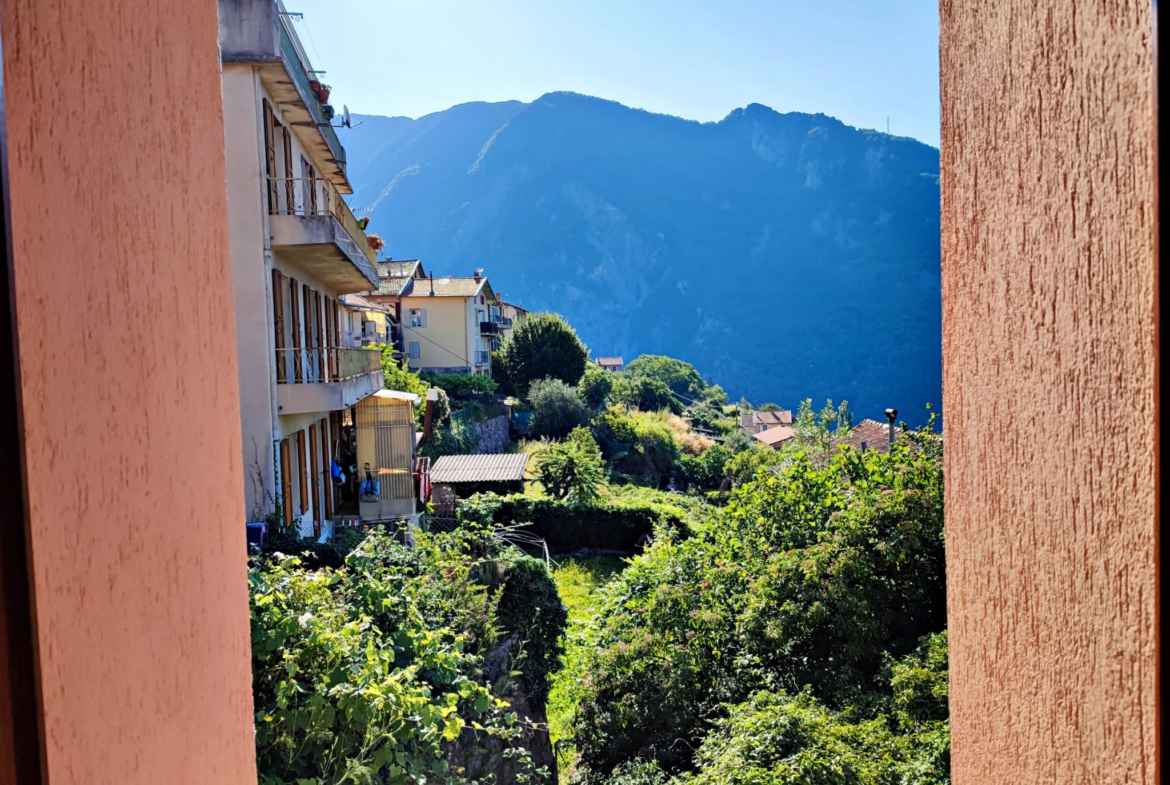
(309, 196)
(324, 365)
(298, 65)
(502, 321)
(489, 328)
(483, 358)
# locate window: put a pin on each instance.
(414, 350)
(418, 317)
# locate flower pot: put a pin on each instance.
(314, 85)
(323, 95)
(363, 222)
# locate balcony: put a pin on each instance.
(489, 328)
(260, 32)
(325, 379)
(504, 322)
(311, 223)
(483, 358)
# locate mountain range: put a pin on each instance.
(786, 256)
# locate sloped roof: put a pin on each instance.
(609, 360)
(399, 268)
(361, 303)
(775, 436)
(448, 287)
(453, 469)
(782, 417)
(873, 434)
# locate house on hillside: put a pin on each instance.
(871, 435)
(610, 363)
(366, 323)
(775, 436)
(758, 422)
(447, 324)
(505, 315)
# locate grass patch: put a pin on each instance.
(576, 579)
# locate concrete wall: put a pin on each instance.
(1049, 261)
(132, 434)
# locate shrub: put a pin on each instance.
(802, 582)
(542, 346)
(363, 674)
(643, 394)
(530, 606)
(571, 470)
(679, 376)
(556, 409)
(607, 524)
(705, 471)
(595, 386)
(396, 376)
(462, 385)
(746, 466)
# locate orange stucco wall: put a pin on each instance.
(131, 406)
(1049, 339)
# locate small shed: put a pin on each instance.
(468, 474)
(385, 454)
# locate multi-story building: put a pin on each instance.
(447, 324)
(296, 248)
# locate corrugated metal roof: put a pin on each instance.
(452, 469)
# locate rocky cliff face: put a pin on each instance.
(786, 255)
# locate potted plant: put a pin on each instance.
(323, 93)
(376, 243)
(315, 86)
(363, 222)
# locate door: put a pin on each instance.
(286, 474)
(326, 473)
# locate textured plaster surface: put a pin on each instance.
(1049, 313)
(131, 406)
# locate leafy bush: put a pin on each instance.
(802, 582)
(571, 470)
(745, 466)
(556, 409)
(607, 524)
(461, 385)
(679, 376)
(705, 471)
(530, 606)
(639, 444)
(396, 376)
(644, 394)
(595, 386)
(363, 674)
(542, 346)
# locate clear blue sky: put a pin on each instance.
(699, 59)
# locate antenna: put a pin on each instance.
(887, 125)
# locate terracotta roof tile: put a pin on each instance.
(775, 436)
(448, 287)
(873, 434)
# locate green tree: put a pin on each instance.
(681, 377)
(644, 394)
(844, 418)
(714, 395)
(396, 376)
(572, 469)
(556, 409)
(542, 346)
(771, 407)
(595, 386)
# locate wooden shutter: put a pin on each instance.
(334, 358)
(311, 184)
(422, 317)
(334, 437)
(326, 473)
(270, 155)
(278, 326)
(304, 470)
(286, 481)
(289, 193)
(310, 355)
(294, 287)
(315, 474)
(318, 324)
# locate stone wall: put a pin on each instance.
(492, 434)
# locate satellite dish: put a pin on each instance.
(345, 116)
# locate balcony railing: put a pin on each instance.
(306, 196)
(325, 365)
(489, 328)
(502, 321)
(298, 66)
(483, 358)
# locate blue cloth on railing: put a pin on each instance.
(256, 534)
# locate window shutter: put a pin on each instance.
(270, 155)
(294, 287)
(423, 315)
(286, 482)
(414, 350)
(289, 194)
(334, 442)
(310, 356)
(327, 470)
(278, 326)
(304, 471)
(315, 474)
